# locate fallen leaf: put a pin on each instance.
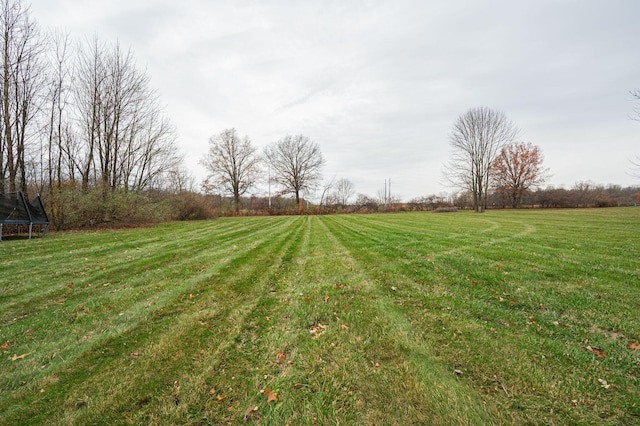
(17, 357)
(271, 396)
(344, 327)
(134, 354)
(5, 346)
(634, 345)
(597, 352)
(212, 391)
(317, 330)
(281, 357)
(69, 285)
(604, 383)
(376, 366)
(561, 324)
(326, 298)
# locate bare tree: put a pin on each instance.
(297, 164)
(476, 138)
(517, 169)
(127, 141)
(57, 129)
(21, 80)
(343, 190)
(179, 180)
(232, 163)
(325, 197)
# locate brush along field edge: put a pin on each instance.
(415, 319)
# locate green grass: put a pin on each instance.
(401, 319)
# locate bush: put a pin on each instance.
(73, 208)
(446, 210)
(189, 206)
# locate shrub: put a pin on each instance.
(446, 210)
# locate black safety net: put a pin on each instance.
(15, 209)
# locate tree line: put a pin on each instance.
(78, 120)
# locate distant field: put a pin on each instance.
(507, 317)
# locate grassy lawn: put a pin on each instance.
(508, 317)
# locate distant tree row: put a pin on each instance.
(580, 195)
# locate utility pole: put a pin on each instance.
(384, 200)
(269, 180)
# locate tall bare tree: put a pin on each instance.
(21, 81)
(232, 163)
(127, 141)
(517, 169)
(58, 152)
(296, 164)
(476, 139)
(343, 190)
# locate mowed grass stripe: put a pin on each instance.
(108, 300)
(505, 328)
(138, 314)
(431, 392)
(322, 340)
(112, 252)
(349, 319)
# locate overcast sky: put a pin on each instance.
(378, 84)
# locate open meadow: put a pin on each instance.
(507, 317)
